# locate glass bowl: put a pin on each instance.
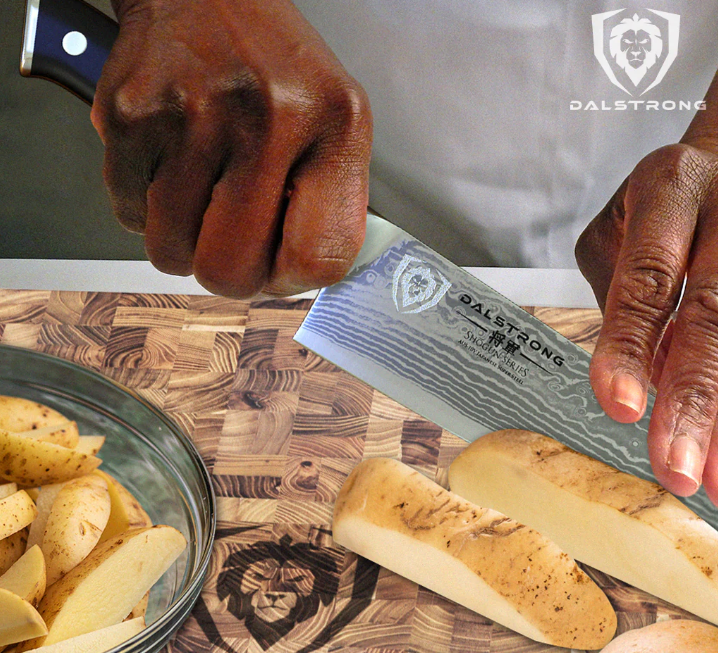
(149, 455)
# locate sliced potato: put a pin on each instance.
(105, 586)
(6, 489)
(45, 499)
(66, 434)
(97, 641)
(11, 549)
(672, 636)
(76, 521)
(90, 444)
(28, 462)
(627, 527)
(27, 577)
(34, 492)
(18, 414)
(140, 610)
(126, 511)
(18, 619)
(16, 512)
(477, 557)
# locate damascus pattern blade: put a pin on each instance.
(434, 338)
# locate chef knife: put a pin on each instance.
(406, 320)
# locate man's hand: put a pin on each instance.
(659, 230)
(236, 143)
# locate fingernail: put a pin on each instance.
(627, 390)
(685, 458)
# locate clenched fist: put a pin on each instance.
(236, 142)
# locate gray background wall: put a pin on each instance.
(52, 200)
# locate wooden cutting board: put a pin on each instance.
(279, 430)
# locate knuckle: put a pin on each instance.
(700, 305)
(327, 262)
(649, 286)
(133, 105)
(350, 104)
(681, 167)
(696, 400)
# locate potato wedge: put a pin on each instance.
(34, 492)
(628, 528)
(11, 549)
(18, 619)
(45, 499)
(477, 557)
(6, 489)
(90, 444)
(18, 414)
(105, 586)
(97, 641)
(672, 636)
(16, 512)
(27, 577)
(140, 610)
(77, 518)
(28, 462)
(65, 434)
(126, 511)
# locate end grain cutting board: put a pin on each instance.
(279, 430)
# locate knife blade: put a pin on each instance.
(406, 320)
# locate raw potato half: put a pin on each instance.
(102, 590)
(479, 558)
(76, 521)
(626, 527)
(11, 549)
(66, 434)
(27, 577)
(16, 512)
(674, 636)
(29, 462)
(98, 641)
(18, 414)
(125, 512)
(18, 619)
(45, 499)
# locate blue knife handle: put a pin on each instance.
(67, 42)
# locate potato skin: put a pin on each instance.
(58, 594)
(528, 571)
(18, 414)
(76, 522)
(672, 636)
(11, 549)
(17, 511)
(31, 463)
(592, 510)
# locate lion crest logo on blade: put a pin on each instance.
(417, 286)
(635, 51)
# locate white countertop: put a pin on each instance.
(524, 286)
